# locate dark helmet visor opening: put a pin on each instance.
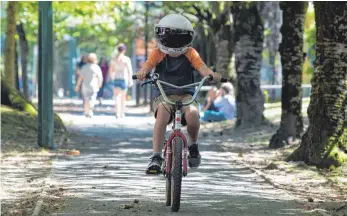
(173, 38)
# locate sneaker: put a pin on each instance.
(194, 157)
(154, 167)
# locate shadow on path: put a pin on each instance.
(110, 172)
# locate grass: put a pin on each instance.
(19, 131)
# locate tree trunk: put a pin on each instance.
(16, 69)
(249, 45)
(24, 57)
(10, 43)
(225, 47)
(291, 50)
(324, 144)
(13, 98)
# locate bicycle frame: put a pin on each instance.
(177, 123)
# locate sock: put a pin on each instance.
(190, 141)
(156, 154)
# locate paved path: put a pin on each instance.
(110, 173)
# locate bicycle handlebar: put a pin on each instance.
(155, 78)
(148, 76)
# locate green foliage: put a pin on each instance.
(99, 25)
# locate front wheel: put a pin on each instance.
(168, 190)
(176, 177)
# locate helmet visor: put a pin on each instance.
(173, 38)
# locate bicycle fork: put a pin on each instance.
(176, 133)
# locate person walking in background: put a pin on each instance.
(104, 69)
(80, 64)
(121, 72)
(89, 82)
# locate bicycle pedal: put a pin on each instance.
(153, 172)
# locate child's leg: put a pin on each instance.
(193, 126)
(193, 122)
(162, 119)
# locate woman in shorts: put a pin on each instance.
(121, 72)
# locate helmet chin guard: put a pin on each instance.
(172, 51)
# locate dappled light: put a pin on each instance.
(92, 92)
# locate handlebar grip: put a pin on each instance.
(224, 80)
(148, 76)
(210, 78)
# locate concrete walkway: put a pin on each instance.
(110, 172)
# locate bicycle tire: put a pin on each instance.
(168, 190)
(176, 177)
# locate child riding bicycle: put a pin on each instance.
(174, 60)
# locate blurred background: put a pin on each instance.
(84, 27)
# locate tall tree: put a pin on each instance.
(16, 68)
(324, 144)
(224, 40)
(24, 50)
(291, 50)
(249, 37)
(10, 43)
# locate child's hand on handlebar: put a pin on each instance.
(217, 77)
(141, 74)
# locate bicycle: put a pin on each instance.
(172, 168)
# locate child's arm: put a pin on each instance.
(199, 65)
(148, 65)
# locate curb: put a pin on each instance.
(39, 203)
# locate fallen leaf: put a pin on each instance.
(340, 197)
(127, 206)
(308, 207)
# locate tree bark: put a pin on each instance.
(248, 55)
(24, 57)
(225, 46)
(16, 68)
(324, 144)
(10, 43)
(291, 50)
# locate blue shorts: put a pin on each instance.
(119, 83)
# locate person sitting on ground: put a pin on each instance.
(225, 103)
(211, 96)
(91, 80)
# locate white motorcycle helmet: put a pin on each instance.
(174, 34)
